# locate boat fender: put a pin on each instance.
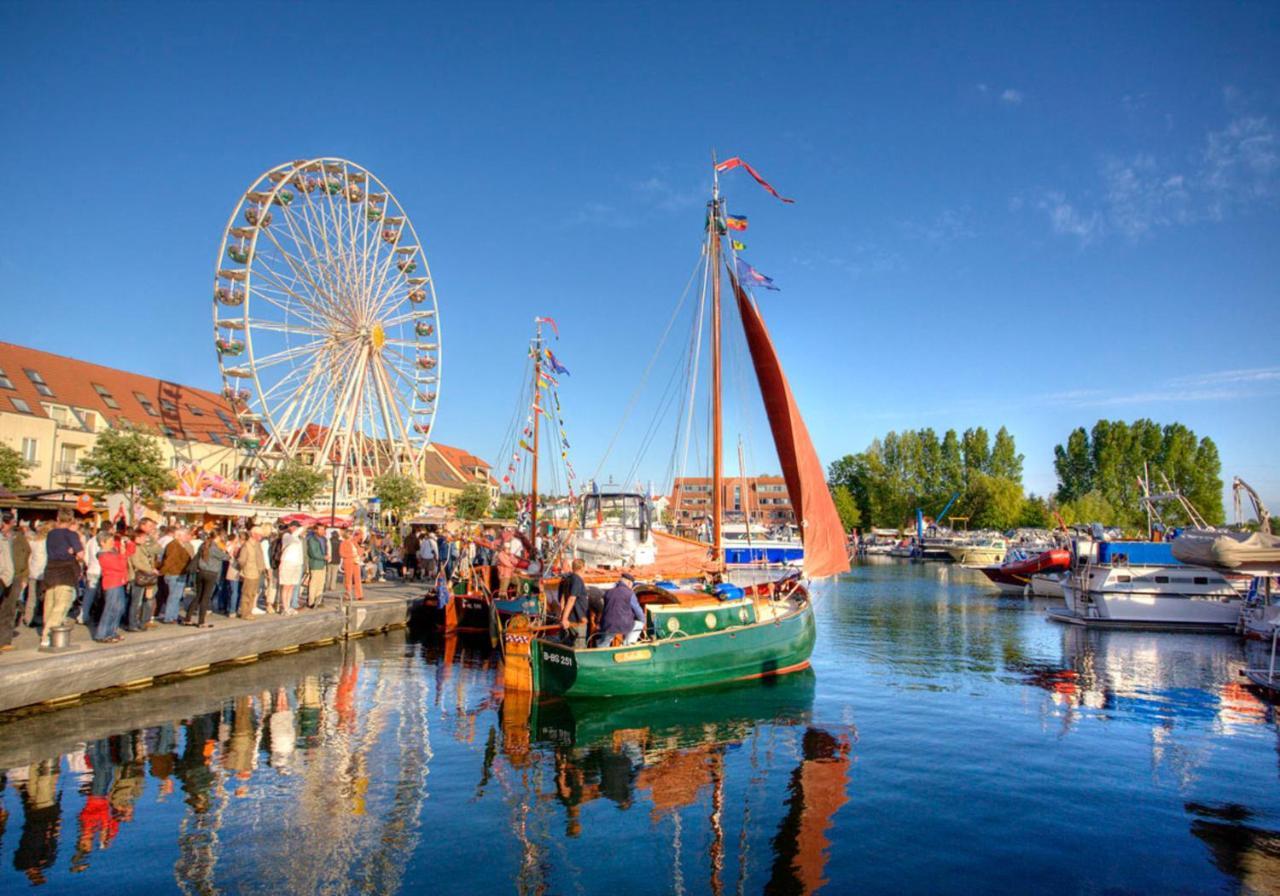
(727, 591)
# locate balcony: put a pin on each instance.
(68, 470)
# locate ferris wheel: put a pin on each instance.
(326, 325)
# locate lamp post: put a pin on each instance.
(333, 524)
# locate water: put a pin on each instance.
(948, 740)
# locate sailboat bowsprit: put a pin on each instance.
(705, 635)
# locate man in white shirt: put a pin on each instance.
(427, 556)
(92, 576)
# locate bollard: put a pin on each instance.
(59, 640)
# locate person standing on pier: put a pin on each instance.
(335, 560)
(292, 562)
(64, 554)
(92, 574)
(250, 562)
(428, 555)
(351, 566)
(209, 560)
(35, 572)
(316, 566)
(411, 555)
(15, 544)
(115, 575)
(143, 573)
(173, 566)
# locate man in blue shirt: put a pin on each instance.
(623, 614)
(61, 572)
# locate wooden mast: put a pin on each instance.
(717, 435)
(537, 399)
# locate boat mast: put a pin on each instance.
(717, 435)
(537, 399)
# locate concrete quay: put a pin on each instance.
(32, 678)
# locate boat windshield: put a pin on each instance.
(628, 511)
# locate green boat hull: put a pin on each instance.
(760, 650)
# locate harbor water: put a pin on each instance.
(948, 740)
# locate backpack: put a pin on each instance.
(277, 548)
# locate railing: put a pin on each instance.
(68, 469)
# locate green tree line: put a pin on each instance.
(1098, 476)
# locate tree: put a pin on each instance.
(1090, 507)
(977, 451)
(1035, 514)
(472, 503)
(13, 468)
(128, 461)
(1111, 460)
(1074, 466)
(845, 507)
(292, 485)
(952, 461)
(1005, 462)
(993, 501)
(508, 507)
(398, 494)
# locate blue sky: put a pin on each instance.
(1024, 214)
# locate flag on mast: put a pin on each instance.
(736, 222)
(735, 162)
(748, 274)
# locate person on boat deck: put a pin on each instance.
(623, 614)
(506, 563)
(574, 609)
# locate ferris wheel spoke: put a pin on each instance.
(275, 326)
(288, 354)
(284, 305)
(301, 272)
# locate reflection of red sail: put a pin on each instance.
(818, 788)
(825, 553)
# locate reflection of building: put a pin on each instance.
(763, 498)
(52, 409)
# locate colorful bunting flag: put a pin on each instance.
(735, 162)
(737, 246)
(548, 320)
(555, 363)
(526, 446)
(736, 222)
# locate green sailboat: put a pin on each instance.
(702, 635)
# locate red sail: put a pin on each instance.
(825, 553)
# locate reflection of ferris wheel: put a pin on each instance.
(326, 324)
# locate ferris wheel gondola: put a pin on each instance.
(325, 318)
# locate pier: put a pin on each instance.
(30, 677)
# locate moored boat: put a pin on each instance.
(979, 551)
(699, 636)
(1016, 573)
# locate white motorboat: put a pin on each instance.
(979, 551)
(1048, 584)
(1156, 596)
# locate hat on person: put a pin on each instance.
(628, 575)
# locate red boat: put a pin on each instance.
(1013, 575)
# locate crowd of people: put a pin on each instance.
(116, 579)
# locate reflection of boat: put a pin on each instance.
(705, 635)
(1019, 566)
(1048, 584)
(725, 713)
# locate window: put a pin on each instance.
(5, 382)
(231, 427)
(29, 449)
(88, 419)
(107, 398)
(1162, 579)
(217, 440)
(20, 404)
(195, 411)
(1124, 578)
(146, 404)
(168, 406)
(67, 465)
(1201, 580)
(168, 431)
(38, 381)
(60, 415)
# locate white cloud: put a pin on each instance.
(1249, 375)
(946, 226)
(1011, 97)
(1238, 167)
(663, 196)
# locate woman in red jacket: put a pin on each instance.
(115, 575)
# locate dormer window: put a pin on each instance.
(38, 381)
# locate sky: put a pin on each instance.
(1030, 215)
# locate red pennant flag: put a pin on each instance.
(735, 162)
